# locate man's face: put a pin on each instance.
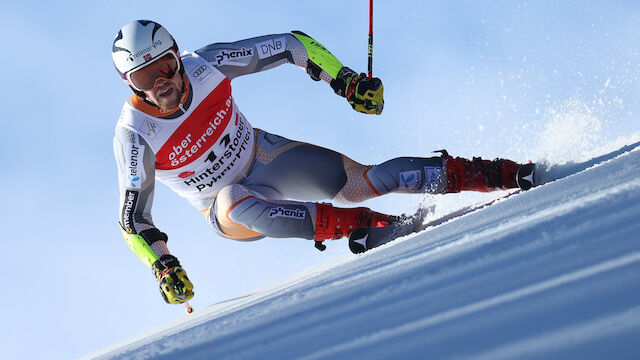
(167, 93)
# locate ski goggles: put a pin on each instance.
(162, 67)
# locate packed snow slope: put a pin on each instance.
(553, 272)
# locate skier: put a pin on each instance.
(182, 127)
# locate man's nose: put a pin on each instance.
(161, 81)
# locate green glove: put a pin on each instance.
(364, 94)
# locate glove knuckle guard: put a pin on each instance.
(174, 284)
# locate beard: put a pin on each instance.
(168, 97)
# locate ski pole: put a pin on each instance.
(370, 60)
(188, 307)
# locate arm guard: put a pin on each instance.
(319, 57)
(139, 246)
(321, 63)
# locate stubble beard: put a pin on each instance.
(169, 102)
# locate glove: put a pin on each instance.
(363, 93)
(175, 286)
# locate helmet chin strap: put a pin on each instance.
(150, 102)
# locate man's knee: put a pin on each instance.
(219, 219)
(357, 187)
(230, 196)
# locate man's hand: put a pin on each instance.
(364, 94)
(175, 286)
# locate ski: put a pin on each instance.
(525, 176)
(367, 238)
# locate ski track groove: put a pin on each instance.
(566, 337)
(477, 306)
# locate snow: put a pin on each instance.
(548, 273)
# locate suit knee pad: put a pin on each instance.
(221, 224)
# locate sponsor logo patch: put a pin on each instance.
(271, 47)
(186, 174)
(287, 213)
(409, 180)
(432, 178)
(128, 208)
(232, 56)
(144, 52)
(150, 128)
(135, 170)
(202, 73)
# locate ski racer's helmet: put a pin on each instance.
(140, 44)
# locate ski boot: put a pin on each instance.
(485, 176)
(335, 223)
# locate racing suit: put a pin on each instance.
(247, 182)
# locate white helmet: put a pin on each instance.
(139, 42)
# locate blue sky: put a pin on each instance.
(478, 78)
